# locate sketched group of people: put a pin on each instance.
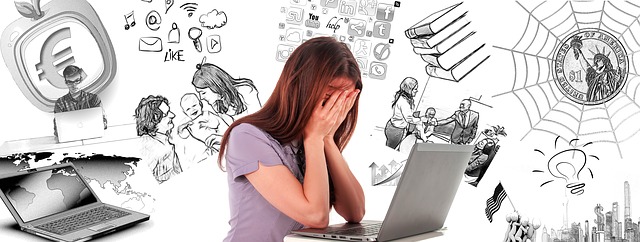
(406, 123)
(407, 127)
(218, 100)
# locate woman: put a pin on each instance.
(226, 95)
(398, 126)
(284, 162)
(602, 79)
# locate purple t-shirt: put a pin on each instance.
(253, 218)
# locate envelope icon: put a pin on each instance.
(150, 44)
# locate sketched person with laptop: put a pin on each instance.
(154, 123)
(284, 162)
(77, 98)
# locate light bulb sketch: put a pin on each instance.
(569, 165)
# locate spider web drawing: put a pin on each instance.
(547, 109)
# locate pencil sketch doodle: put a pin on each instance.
(130, 20)
(150, 44)
(578, 76)
(213, 19)
(445, 42)
(153, 20)
(194, 35)
(174, 34)
(167, 5)
(190, 8)
(568, 164)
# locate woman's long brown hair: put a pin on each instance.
(306, 74)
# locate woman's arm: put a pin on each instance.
(347, 190)
(307, 203)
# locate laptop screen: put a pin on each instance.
(43, 193)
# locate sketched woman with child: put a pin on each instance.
(225, 94)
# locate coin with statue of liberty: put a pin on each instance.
(590, 66)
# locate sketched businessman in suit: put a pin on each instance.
(466, 123)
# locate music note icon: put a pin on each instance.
(130, 20)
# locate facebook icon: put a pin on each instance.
(385, 12)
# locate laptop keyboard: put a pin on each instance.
(365, 230)
(82, 220)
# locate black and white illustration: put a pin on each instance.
(568, 162)
(575, 71)
(606, 222)
(56, 41)
(364, 26)
(446, 42)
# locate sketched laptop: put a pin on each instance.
(79, 124)
(422, 199)
(56, 203)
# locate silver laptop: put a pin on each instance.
(79, 124)
(56, 203)
(422, 199)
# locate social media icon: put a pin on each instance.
(362, 63)
(381, 51)
(381, 29)
(378, 70)
(214, 45)
(329, 3)
(298, 2)
(284, 51)
(385, 12)
(36, 51)
(367, 7)
(357, 27)
(295, 15)
(293, 35)
(362, 47)
(347, 7)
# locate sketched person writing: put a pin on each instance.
(225, 94)
(284, 162)
(466, 123)
(154, 124)
(76, 99)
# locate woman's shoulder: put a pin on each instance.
(249, 130)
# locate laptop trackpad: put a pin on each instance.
(101, 227)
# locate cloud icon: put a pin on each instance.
(294, 37)
(213, 19)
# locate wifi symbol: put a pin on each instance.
(190, 8)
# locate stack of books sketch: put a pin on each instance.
(447, 43)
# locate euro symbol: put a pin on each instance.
(48, 70)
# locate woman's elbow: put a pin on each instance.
(356, 216)
(317, 220)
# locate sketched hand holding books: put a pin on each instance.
(446, 42)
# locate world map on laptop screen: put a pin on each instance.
(44, 193)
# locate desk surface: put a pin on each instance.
(111, 134)
(435, 236)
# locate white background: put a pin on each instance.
(249, 43)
